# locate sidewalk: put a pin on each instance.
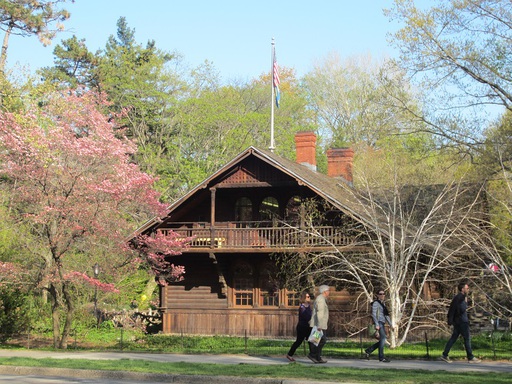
(462, 366)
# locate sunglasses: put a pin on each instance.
(381, 294)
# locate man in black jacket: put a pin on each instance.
(458, 317)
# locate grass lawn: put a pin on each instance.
(290, 371)
(499, 347)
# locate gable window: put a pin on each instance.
(269, 208)
(243, 285)
(292, 211)
(243, 209)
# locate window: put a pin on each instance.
(269, 208)
(243, 285)
(269, 296)
(292, 299)
(243, 209)
(292, 211)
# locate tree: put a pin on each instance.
(26, 18)
(407, 240)
(456, 52)
(75, 66)
(355, 101)
(216, 124)
(13, 311)
(71, 182)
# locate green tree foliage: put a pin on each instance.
(13, 311)
(74, 66)
(27, 18)
(457, 53)
(70, 181)
(355, 100)
(217, 124)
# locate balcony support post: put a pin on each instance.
(212, 217)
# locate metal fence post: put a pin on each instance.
(426, 344)
(361, 342)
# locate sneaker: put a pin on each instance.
(446, 359)
(290, 358)
(322, 361)
(384, 360)
(367, 355)
(313, 359)
(474, 360)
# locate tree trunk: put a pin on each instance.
(55, 315)
(5, 44)
(69, 316)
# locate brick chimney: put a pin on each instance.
(305, 146)
(339, 163)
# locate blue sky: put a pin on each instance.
(234, 35)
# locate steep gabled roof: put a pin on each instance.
(329, 188)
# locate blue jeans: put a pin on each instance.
(379, 344)
(460, 329)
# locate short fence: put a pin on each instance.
(428, 344)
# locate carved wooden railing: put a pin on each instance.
(257, 235)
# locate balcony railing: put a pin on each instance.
(257, 235)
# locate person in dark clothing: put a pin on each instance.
(458, 317)
(380, 316)
(303, 328)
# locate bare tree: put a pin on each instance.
(415, 243)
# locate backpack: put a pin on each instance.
(453, 311)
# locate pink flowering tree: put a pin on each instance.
(70, 179)
(155, 251)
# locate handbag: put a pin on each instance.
(315, 336)
(373, 332)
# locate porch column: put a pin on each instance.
(212, 217)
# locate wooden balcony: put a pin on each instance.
(256, 237)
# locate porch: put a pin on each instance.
(225, 236)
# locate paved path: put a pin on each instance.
(429, 365)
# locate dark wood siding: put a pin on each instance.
(232, 322)
(200, 288)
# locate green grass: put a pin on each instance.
(499, 347)
(290, 371)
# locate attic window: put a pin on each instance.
(292, 211)
(243, 209)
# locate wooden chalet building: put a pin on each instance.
(227, 287)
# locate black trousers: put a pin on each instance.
(302, 333)
(316, 351)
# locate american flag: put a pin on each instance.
(276, 81)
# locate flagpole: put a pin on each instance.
(272, 144)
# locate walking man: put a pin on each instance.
(319, 318)
(380, 316)
(458, 317)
